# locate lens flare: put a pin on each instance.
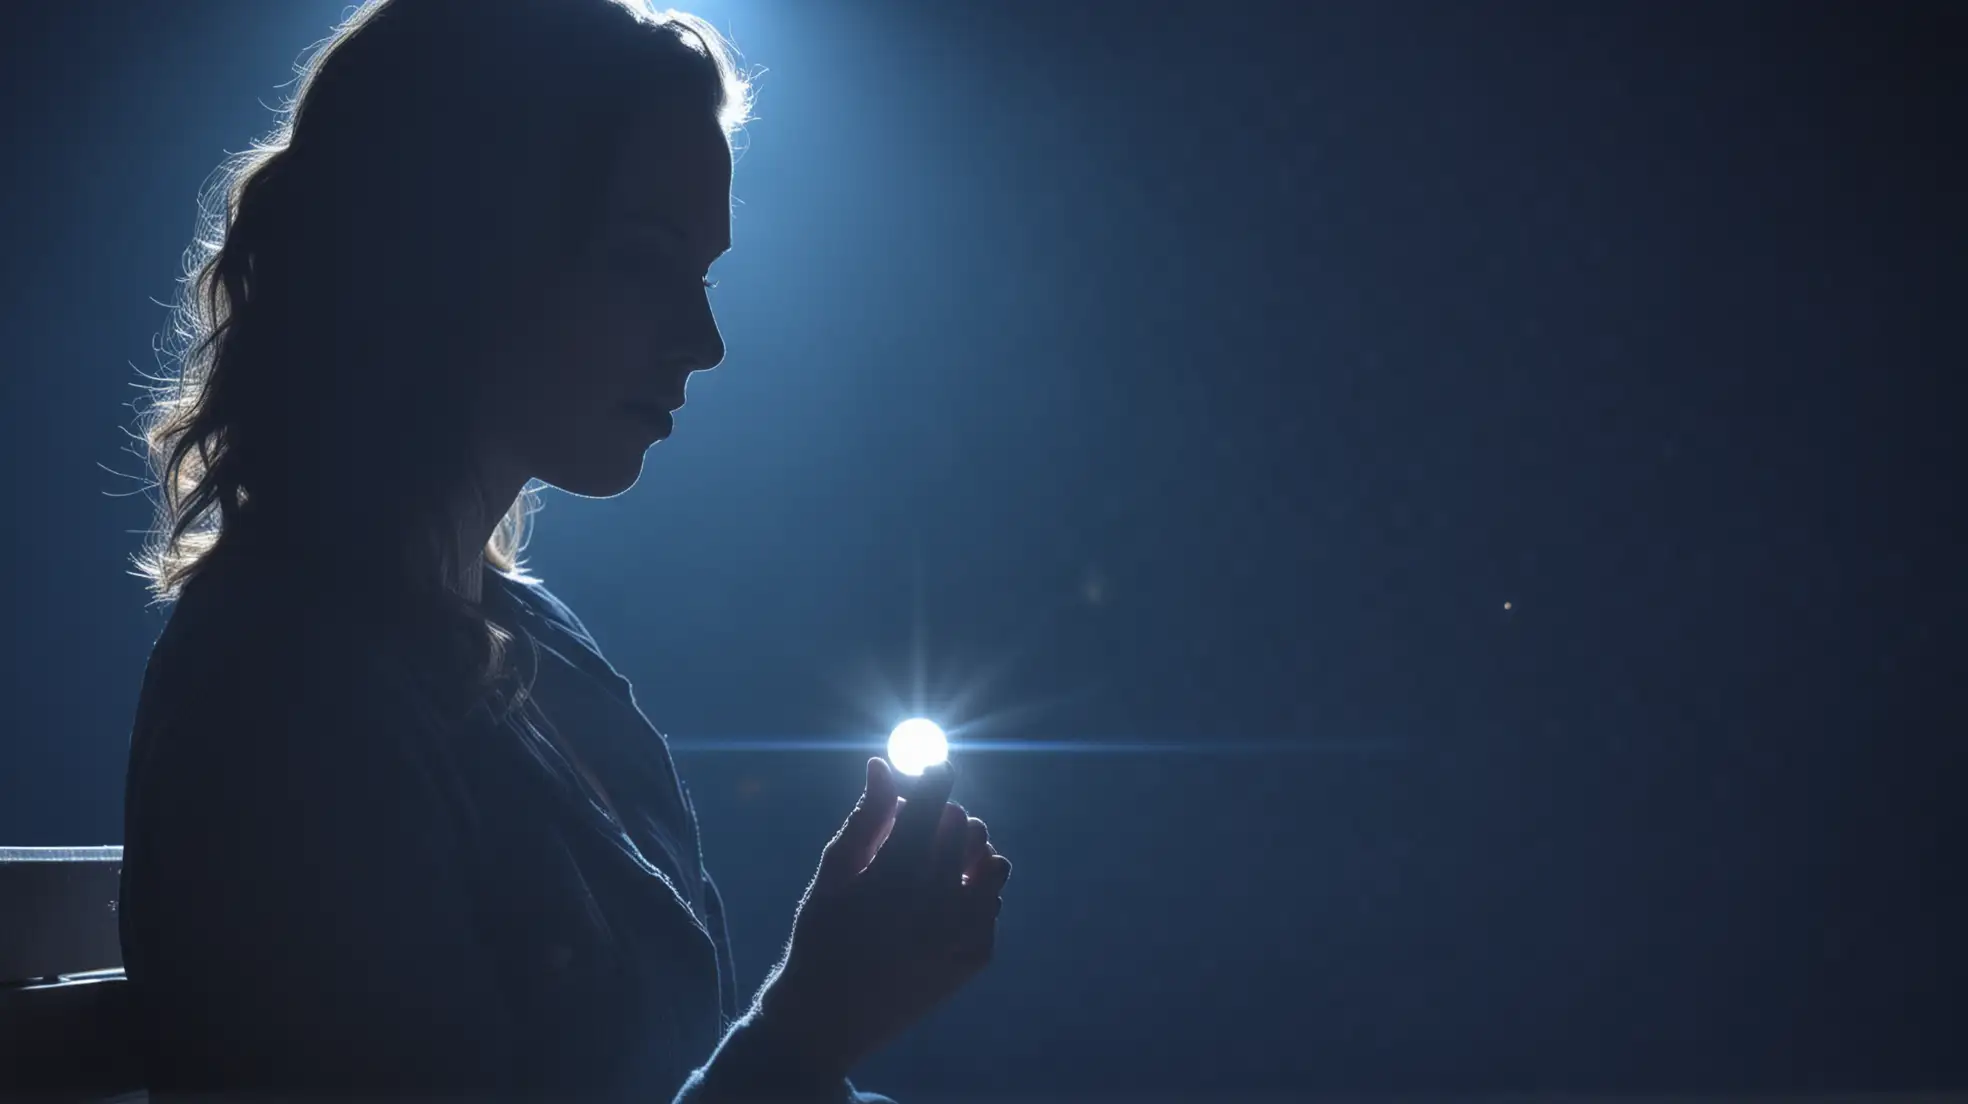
(917, 745)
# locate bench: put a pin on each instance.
(64, 1022)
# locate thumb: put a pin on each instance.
(854, 846)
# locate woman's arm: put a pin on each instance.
(756, 1062)
(901, 912)
(296, 913)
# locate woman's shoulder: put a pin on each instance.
(258, 648)
(267, 700)
(241, 621)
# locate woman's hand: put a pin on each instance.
(901, 913)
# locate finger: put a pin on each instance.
(860, 838)
(887, 826)
(977, 844)
(913, 836)
(952, 844)
(991, 876)
(976, 868)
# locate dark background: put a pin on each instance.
(1188, 389)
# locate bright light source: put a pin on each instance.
(917, 745)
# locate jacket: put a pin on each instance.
(333, 886)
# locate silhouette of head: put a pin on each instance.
(473, 253)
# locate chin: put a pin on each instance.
(596, 476)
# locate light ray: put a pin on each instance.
(1107, 746)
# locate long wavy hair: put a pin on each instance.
(437, 161)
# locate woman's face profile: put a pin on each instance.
(583, 386)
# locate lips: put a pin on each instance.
(653, 409)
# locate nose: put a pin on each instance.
(703, 347)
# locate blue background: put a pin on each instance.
(1187, 389)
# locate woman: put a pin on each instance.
(394, 825)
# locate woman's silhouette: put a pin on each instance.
(394, 826)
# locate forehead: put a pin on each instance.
(675, 169)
